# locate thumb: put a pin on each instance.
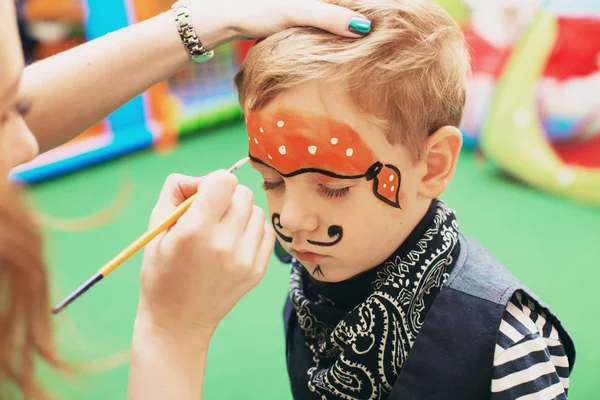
(176, 189)
(335, 19)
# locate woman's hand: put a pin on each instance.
(195, 273)
(217, 22)
(192, 276)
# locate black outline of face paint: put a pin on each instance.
(277, 224)
(318, 270)
(333, 230)
(371, 174)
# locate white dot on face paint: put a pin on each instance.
(270, 158)
(280, 124)
(391, 177)
(256, 140)
(392, 188)
(262, 130)
(384, 185)
(349, 152)
(334, 140)
(282, 150)
(312, 149)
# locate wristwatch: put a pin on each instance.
(188, 36)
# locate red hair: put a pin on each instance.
(25, 326)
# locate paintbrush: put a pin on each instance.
(134, 247)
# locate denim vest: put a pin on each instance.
(453, 354)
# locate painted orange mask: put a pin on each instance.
(294, 144)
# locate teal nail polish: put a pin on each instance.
(360, 26)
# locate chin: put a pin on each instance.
(328, 273)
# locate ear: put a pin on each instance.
(439, 162)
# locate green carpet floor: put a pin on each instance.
(549, 243)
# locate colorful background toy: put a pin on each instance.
(547, 56)
(200, 96)
(514, 137)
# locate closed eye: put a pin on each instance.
(272, 185)
(332, 193)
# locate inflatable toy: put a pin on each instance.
(514, 136)
(568, 88)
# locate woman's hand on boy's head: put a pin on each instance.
(260, 18)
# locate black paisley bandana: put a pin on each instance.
(359, 332)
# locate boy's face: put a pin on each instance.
(340, 197)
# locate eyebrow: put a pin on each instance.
(262, 166)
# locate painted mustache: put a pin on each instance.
(333, 231)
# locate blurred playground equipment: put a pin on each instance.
(533, 101)
(197, 97)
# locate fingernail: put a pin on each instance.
(359, 26)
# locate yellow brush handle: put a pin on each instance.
(146, 238)
(134, 247)
(151, 234)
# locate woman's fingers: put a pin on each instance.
(176, 189)
(217, 251)
(263, 255)
(262, 18)
(212, 200)
(238, 213)
(250, 240)
(331, 18)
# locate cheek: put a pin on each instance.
(409, 188)
(18, 143)
(367, 213)
(4, 163)
(274, 199)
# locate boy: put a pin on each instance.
(356, 141)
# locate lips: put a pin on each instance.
(307, 256)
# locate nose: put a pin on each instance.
(25, 146)
(296, 215)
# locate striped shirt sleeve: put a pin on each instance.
(529, 360)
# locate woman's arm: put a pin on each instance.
(165, 365)
(73, 90)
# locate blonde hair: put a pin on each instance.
(25, 327)
(408, 74)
